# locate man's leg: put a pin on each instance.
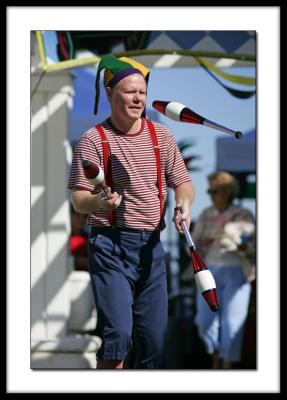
(150, 316)
(113, 300)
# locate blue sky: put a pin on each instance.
(193, 87)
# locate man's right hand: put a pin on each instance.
(85, 202)
(110, 203)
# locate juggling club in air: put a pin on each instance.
(95, 175)
(180, 112)
(204, 280)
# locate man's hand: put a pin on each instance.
(184, 195)
(110, 202)
(182, 212)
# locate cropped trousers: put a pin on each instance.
(128, 276)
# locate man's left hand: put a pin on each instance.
(181, 212)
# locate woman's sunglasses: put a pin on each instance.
(213, 191)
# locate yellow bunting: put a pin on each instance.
(41, 47)
(241, 80)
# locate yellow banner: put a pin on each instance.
(241, 80)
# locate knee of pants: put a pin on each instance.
(116, 342)
(123, 336)
(150, 358)
(150, 351)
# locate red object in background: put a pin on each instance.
(78, 245)
(63, 46)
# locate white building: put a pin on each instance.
(62, 308)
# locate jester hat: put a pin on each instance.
(115, 70)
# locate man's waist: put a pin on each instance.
(123, 230)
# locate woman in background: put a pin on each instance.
(224, 234)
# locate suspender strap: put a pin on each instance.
(107, 167)
(157, 159)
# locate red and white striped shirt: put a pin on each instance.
(134, 173)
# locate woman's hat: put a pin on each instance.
(115, 70)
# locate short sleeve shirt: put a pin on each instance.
(134, 172)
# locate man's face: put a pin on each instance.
(128, 97)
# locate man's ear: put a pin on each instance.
(109, 93)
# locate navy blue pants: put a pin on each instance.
(128, 276)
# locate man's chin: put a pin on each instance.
(135, 109)
(133, 113)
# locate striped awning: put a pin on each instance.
(227, 48)
(212, 50)
(162, 49)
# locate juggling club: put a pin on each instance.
(95, 175)
(204, 280)
(180, 112)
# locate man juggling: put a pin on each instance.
(139, 159)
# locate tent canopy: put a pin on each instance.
(237, 155)
(241, 45)
(239, 158)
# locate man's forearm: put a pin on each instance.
(184, 194)
(84, 202)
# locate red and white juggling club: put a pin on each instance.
(204, 280)
(95, 175)
(180, 112)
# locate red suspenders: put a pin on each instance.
(108, 170)
(107, 167)
(157, 159)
